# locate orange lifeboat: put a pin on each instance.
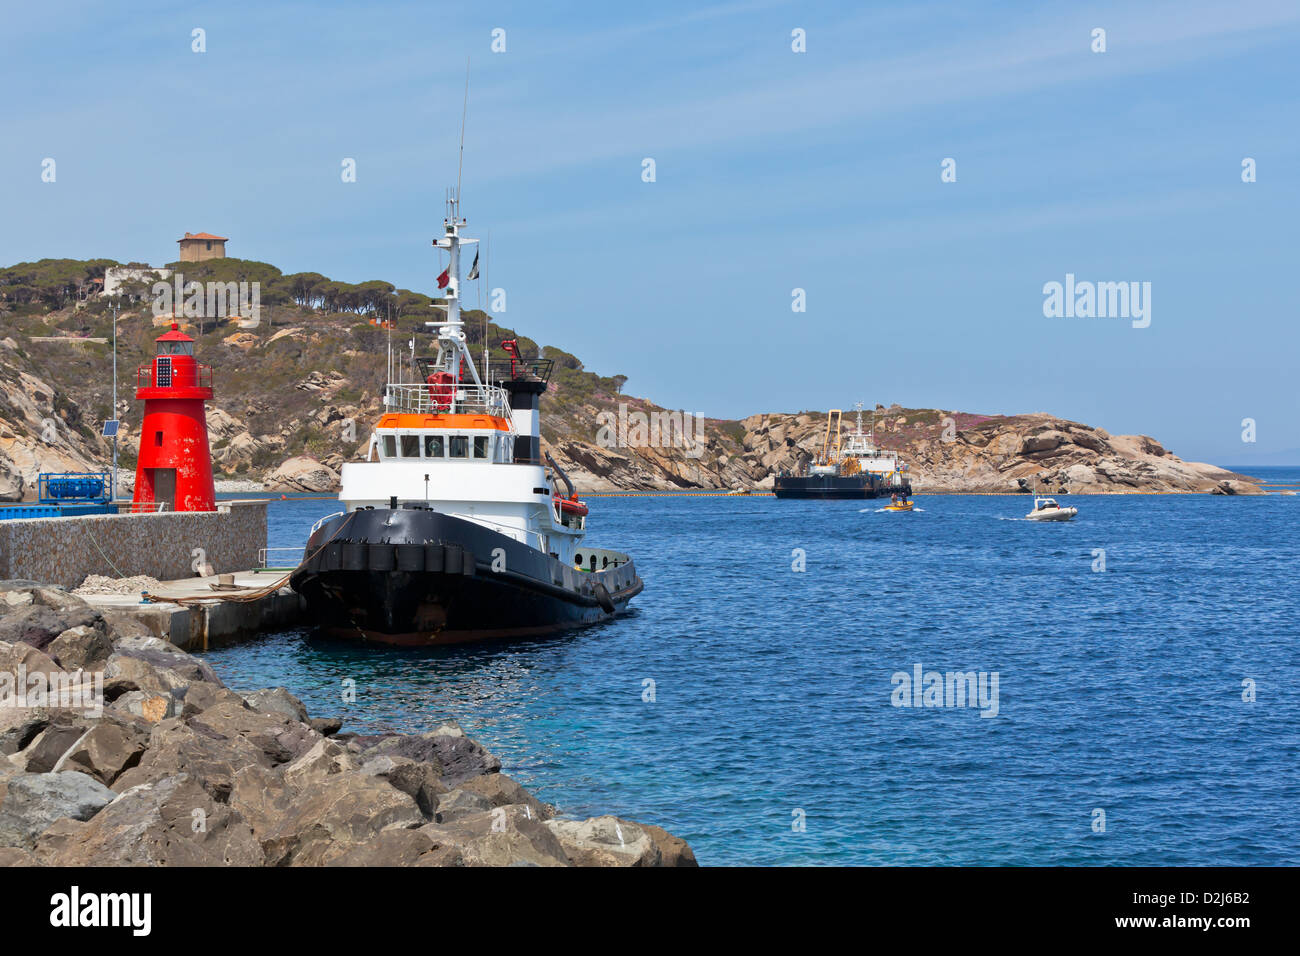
(570, 505)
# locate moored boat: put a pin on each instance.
(453, 528)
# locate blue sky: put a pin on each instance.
(775, 170)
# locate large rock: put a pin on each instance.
(105, 751)
(164, 655)
(277, 700)
(39, 625)
(157, 668)
(124, 674)
(61, 599)
(398, 848)
(335, 814)
(151, 707)
(48, 747)
(503, 836)
(31, 660)
(329, 726)
(212, 745)
(458, 804)
(302, 474)
(169, 822)
(420, 781)
(499, 791)
(609, 841)
(34, 801)
(81, 648)
(1234, 487)
(200, 696)
(456, 756)
(322, 806)
(19, 726)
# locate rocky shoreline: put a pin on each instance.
(177, 769)
(947, 452)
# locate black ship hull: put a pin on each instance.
(413, 576)
(837, 486)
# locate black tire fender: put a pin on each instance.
(602, 598)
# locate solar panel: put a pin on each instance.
(110, 428)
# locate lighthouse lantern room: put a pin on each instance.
(175, 462)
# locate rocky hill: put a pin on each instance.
(297, 392)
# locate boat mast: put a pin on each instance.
(451, 334)
(452, 348)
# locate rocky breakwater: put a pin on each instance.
(175, 768)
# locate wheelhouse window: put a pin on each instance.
(481, 446)
(458, 446)
(390, 446)
(410, 446)
(433, 446)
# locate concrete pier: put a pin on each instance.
(165, 545)
(209, 616)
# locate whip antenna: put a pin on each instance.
(460, 164)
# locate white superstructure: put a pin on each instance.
(861, 446)
(450, 442)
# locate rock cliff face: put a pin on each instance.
(956, 452)
(41, 430)
(947, 453)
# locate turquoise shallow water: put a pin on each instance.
(1118, 691)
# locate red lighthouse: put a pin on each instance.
(175, 463)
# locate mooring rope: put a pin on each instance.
(244, 597)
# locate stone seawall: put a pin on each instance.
(63, 551)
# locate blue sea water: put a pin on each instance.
(1119, 691)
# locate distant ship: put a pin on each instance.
(852, 468)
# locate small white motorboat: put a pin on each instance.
(1046, 509)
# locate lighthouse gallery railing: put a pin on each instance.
(199, 376)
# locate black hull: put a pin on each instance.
(837, 486)
(419, 577)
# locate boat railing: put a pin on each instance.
(316, 526)
(509, 529)
(458, 399)
(278, 559)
